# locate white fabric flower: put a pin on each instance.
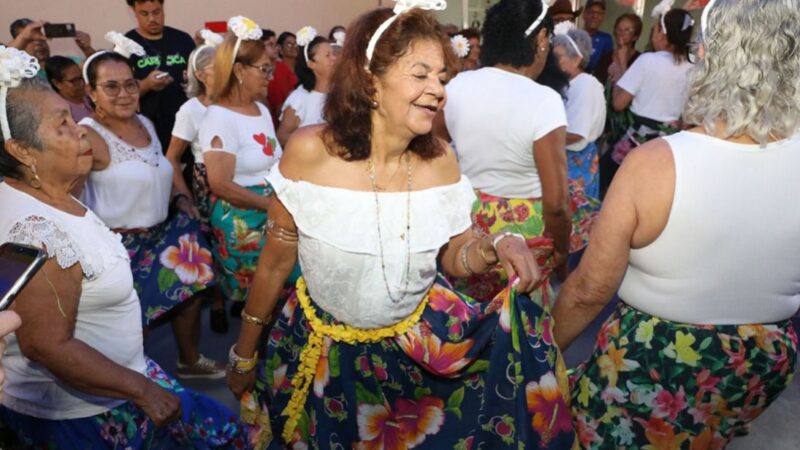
(124, 46)
(305, 35)
(15, 66)
(339, 37)
(402, 6)
(460, 45)
(244, 29)
(210, 38)
(662, 8)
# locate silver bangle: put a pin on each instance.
(504, 235)
(464, 260)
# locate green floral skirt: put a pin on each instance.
(655, 384)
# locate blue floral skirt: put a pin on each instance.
(171, 262)
(205, 425)
(456, 374)
(584, 193)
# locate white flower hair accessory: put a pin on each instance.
(400, 7)
(563, 29)
(460, 45)
(304, 38)
(124, 46)
(210, 38)
(339, 37)
(545, 6)
(661, 10)
(245, 30)
(15, 66)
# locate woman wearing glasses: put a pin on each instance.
(130, 188)
(239, 148)
(64, 75)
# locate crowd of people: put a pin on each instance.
(412, 221)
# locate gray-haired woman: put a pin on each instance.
(586, 117)
(703, 228)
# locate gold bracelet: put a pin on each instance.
(241, 365)
(255, 320)
(464, 258)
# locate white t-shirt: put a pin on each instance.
(109, 315)
(586, 110)
(250, 138)
(658, 84)
(730, 251)
(306, 105)
(187, 125)
(494, 117)
(134, 190)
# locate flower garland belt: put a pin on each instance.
(310, 356)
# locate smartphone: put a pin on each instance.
(162, 75)
(59, 30)
(217, 26)
(18, 264)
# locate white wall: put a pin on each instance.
(96, 17)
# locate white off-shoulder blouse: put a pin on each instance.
(340, 255)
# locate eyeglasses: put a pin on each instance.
(113, 88)
(289, 44)
(265, 69)
(624, 30)
(77, 81)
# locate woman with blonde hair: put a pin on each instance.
(239, 147)
(699, 232)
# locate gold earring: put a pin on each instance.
(36, 182)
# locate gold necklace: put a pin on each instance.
(407, 237)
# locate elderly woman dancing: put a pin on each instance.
(76, 374)
(698, 225)
(375, 350)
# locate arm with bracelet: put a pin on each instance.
(275, 264)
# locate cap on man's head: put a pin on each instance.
(564, 7)
(590, 3)
(17, 26)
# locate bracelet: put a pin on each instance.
(464, 261)
(255, 320)
(241, 365)
(504, 235)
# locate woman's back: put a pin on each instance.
(658, 84)
(730, 251)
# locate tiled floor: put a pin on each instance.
(777, 429)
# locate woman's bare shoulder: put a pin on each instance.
(304, 153)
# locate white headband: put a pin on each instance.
(339, 38)
(245, 30)
(704, 17)
(304, 38)
(15, 66)
(210, 40)
(122, 45)
(400, 7)
(545, 7)
(563, 29)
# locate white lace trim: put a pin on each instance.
(346, 219)
(121, 151)
(41, 232)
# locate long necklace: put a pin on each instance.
(407, 236)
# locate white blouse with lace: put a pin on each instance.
(340, 254)
(109, 314)
(134, 190)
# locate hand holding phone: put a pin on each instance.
(18, 264)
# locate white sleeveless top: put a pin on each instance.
(134, 190)
(109, 314)
(339, 250)
(730, 252)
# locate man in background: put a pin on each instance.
(593, 15)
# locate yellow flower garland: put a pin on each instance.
(309, 357)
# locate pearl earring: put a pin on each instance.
(374, 104)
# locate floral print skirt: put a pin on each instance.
(171, 262)
(491, 214)
(652, 384)
(641, 131)
(238, 238)
(584, 193)
(205, 424)
(456, 374)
